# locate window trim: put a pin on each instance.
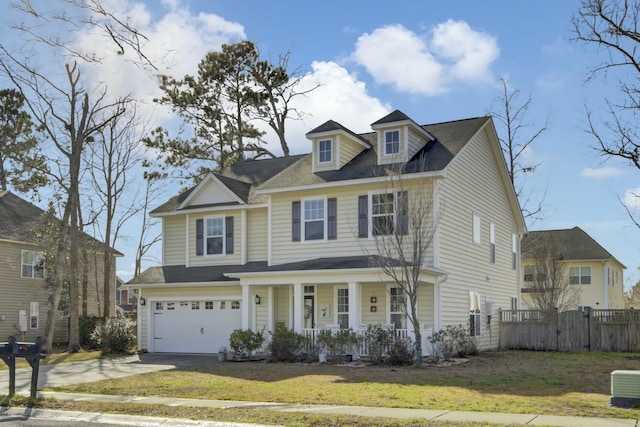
(34, 314)
(222, 236)
(476, 228)
(303, 219)
(475, 313)
(37, 258)
(581, 275)
(386, 143)
(321, 151)
(337, 305)
(514, 251)
(402, 310)
(492, 242)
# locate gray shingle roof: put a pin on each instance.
(240, 177)
(182, 274)
(244, 177)
(331, 125)
(20, 218)
(451, 137)
(577, 243)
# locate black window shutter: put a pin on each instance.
(228, 223)
(199, 236)
(332, 219)
(403, 213)
(363, 216)
(295, 221)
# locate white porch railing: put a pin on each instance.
(312, 334)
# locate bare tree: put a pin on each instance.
(111, 162)
(611, 26)
(280, 88)
(147, 238)
(403, 245)
(516, 141)
(69, 115)
(546, 277)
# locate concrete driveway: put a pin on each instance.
(94, 370)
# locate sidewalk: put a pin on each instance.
(429, 414)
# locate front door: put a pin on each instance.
(309, 312)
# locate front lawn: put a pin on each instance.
(514, 381)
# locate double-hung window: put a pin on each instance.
(324, 151)
(32, 265)
(215, 236)
(392, 142)
(314, 219)
(580, 275)
(382, 214)
(397, 311)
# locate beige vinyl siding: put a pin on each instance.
(379, 291)
(17, 293)
(257, 230)
(348, 150)
(284, 250)
(226, 259)
(325, 166)
(326, 295)
(173, 240)
(282, 305)
(616, 288)
(416, 142)
(473, 184)
(401, 156)
(262, 312)
(594, 292)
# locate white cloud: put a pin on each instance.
(631, 199)
(176, 43)
(603, 173)
(453, 53)
(340, 97)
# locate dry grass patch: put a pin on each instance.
(515, 381)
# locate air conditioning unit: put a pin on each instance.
(625, 388)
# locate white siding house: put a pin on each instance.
(293, 240)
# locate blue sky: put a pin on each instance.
(435, 61)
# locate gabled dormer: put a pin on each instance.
(334, 146)
(398, 138)
(216, 189)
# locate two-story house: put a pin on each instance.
(594, 277)
(23, 295)
(290, 240)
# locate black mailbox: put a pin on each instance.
(26, 348)
(5, 347)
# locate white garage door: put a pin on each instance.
(194, 326)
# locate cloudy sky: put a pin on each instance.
(435, 61)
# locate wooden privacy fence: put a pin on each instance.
(575, 330)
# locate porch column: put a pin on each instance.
(298, 302)
(270, 297)
(355, 301)
(248, 307)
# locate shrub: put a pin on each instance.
(286, 345)
(87, 324)
(401, 352)
(378, 340)
(453, 341)
(115, 335)
(245, 342)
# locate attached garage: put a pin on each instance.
(192, 326)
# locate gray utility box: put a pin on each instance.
(625, 388)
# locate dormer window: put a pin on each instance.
(392, 142)
(324, 151)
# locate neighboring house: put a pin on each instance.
(125, 300)
(288, 241)
(596, 274)
(23, 297)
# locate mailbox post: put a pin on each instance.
(31, 352)
(7, 357)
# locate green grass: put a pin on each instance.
(575, 384)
